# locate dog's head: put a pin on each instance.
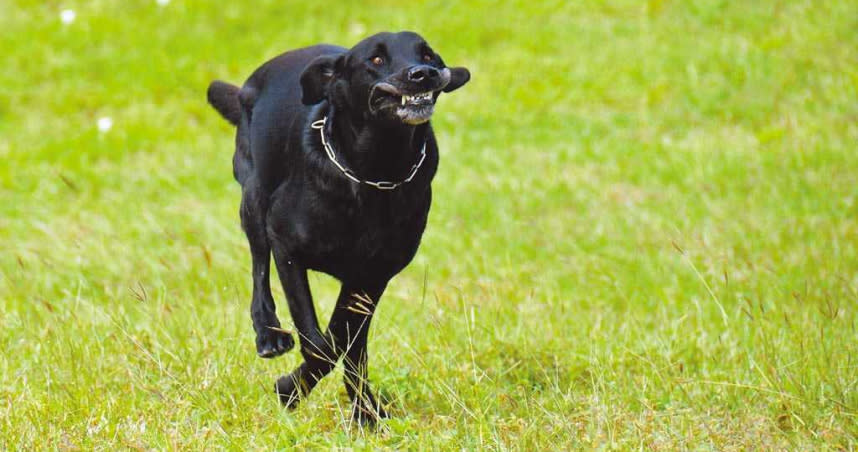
(387, 77)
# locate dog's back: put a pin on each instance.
(272, 94)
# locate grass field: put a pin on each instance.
(644, 234)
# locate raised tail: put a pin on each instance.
(224, 98)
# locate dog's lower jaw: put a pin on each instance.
(415, 116)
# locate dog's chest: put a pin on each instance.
(350, 238)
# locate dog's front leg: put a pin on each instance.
(319, 354)
(349, 326)
(347, 333)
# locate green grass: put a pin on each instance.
(644, 235)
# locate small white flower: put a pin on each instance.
(67, 16)
(104, 124)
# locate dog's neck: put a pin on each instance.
(376, 151)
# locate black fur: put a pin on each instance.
(224, 98)
(299, 207)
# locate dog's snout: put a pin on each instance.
(422, 72)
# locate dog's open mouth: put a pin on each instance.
(417, 99)
(410, 108)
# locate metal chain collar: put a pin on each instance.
(381, 185)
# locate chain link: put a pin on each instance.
(381, 185)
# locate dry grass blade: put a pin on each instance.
(279, 330)
(364, 297)
(359, 311)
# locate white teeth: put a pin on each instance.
(416, 97)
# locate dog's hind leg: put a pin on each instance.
(242, 164)
(271, 341)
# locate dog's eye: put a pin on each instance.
(427, 57)
(377, 60)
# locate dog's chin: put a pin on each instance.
(415, 114)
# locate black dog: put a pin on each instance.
(335, 155)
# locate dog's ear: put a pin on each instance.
(458, 77)
(316, 78)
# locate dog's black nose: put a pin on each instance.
(422, 72)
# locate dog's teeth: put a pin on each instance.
(415, 98)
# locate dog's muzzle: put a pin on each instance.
(412, 100)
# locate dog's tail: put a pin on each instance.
(224, 98)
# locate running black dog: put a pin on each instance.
(335, 155)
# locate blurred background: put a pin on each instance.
(643, 234)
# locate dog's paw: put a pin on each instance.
(272, 342)
(287, 390)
